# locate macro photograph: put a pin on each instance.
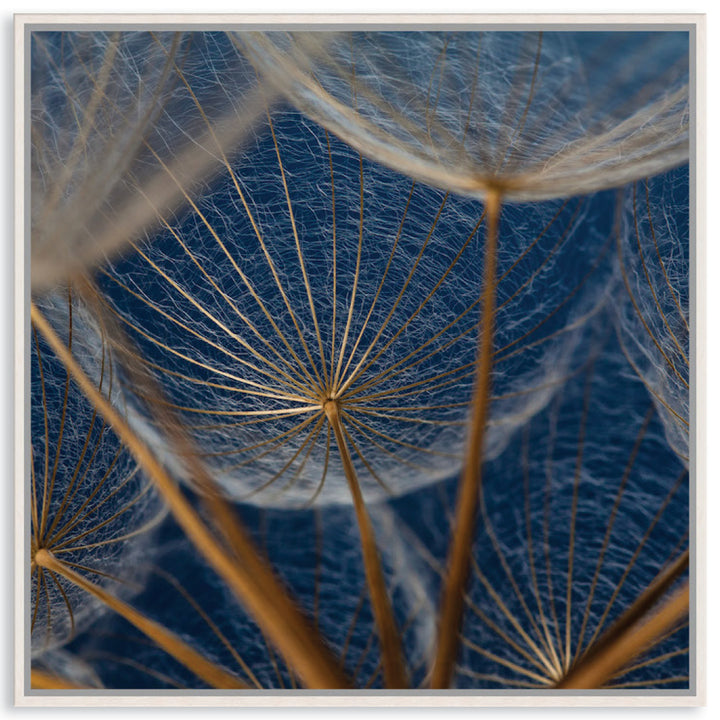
(359, 359)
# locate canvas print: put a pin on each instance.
(360, 360)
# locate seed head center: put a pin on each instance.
(331, 406)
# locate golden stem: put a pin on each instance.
(40, 680)
(393, 662)
(629, 645)
(458, 563)
(164, 638)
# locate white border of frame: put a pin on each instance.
(376, 699)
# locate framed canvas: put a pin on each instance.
(360, 360)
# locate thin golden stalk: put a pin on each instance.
(393, 662)
(634, 631)
(41, 680)
(458, 564)
(211, 673)
(251, 580)
(598, 669)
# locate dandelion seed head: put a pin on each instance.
(537, 114)
(309, 274)
(654, 320)
(92, 508)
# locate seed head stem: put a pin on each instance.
(393, 663)
(458, 563)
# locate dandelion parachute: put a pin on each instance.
(654, 250)
(308, 273)
(91, 507)
(544, 592)
(537, 114)
(112, 125)
(599, 511)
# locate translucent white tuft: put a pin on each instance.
(655, 322)
(538, 114)
(308, 273)
(117, 135)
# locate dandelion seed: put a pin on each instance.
(537, 114)
(653, 246)
(91, 508)
(111, 122)
(296, 281)
(599, 508)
